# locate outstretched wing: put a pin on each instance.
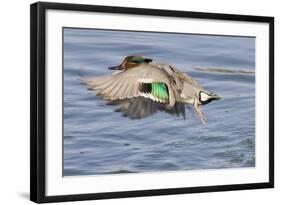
(140, 107)
(147, 81)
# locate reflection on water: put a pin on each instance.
(98, 140)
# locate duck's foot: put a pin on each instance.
(201, 115)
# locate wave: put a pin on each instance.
(224, 70)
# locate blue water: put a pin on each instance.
(98, 140)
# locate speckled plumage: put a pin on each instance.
(142, 88)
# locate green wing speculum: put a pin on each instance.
(160, 90)
(156, 91)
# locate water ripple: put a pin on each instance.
(98, 140)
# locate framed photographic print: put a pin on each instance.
(129, 102)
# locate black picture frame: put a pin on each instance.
(38, 101)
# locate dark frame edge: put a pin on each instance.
(153, 12)
(33, 104)
(155, 192)
(37, 102)
(271, 102)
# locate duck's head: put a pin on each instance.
(131, 62)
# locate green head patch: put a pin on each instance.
(139, 59)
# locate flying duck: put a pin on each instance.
(141, 88)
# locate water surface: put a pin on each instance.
(98, 140)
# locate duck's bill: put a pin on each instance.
(118, 67)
